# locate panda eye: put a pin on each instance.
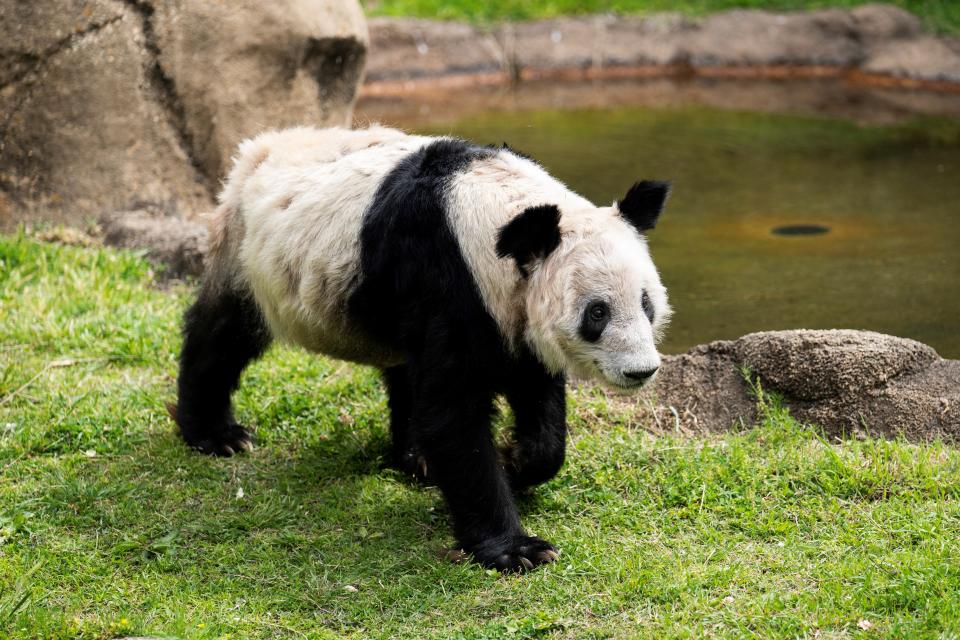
(647, 306)
(595, 320)
(598, 311)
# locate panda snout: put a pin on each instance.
(640, 375)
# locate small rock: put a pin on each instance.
(177, 245)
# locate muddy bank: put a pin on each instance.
(877, 44)
(451, 99)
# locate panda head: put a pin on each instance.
(594, 303)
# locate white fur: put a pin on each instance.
(289, 223)
(297, 199)
(600, 256)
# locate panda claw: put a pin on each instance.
(517, 553)
(548, 555)
(229, 440)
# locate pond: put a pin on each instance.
(777, 221)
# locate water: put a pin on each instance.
(888, 196)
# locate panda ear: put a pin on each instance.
(643, 203)
(531, 235)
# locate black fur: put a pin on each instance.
(595, 319)
(223, 331)
(647, 306)
(531, 235)
(520, 154)
(643, 203)
(417, 295)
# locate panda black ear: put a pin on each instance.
(531, 235)
(643, 203)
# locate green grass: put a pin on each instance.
(110, 527)
(941, 15)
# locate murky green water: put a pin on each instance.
(890, 196)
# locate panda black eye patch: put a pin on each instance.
(595, 319)
(647, 306)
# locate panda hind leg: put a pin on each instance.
(404, 454)
(223, 332)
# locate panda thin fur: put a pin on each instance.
(413, 254)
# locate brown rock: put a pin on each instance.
(563, 43)
(174, 244)
(844, 381)
(110, 104)
(238, 68)
(813, 365)
(80, 127)
(880, 22)
(879, 38)
(763, 38)
(403, 49)
(926, 57)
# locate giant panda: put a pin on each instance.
(460, 271)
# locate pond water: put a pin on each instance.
(776, 221)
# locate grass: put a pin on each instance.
(940, 15)
(110, 527)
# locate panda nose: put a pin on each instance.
(640, 376)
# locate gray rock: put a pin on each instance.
(405, 49)
(736, 38)
(844, 381)
(925, 58)
(877, 38)
(814, 365)
(108, 104)
(176, 245)
(878, 22)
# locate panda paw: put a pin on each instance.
(413, 464)
(230, 439)
(514, 553)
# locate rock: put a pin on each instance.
(404, 49)
(878, 22)
(111, 104)
(705, 388)
(876, 38)
(844, 381)
(927, 58)
(744, 37)
(176, 245)
(562, 43)
(240, 67)
(813, 365)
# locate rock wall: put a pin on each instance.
(876, 39)
(117, 104)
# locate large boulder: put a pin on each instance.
(117, 104)
(844, 381)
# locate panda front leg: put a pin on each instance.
(223, 331)
(451, 421)
(538, 400)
